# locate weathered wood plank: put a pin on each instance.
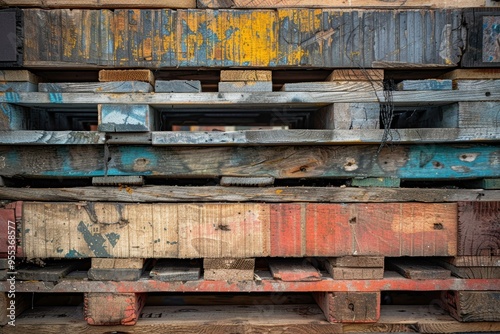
(11, 307)
(478, 114)
(482, 49)
(12, 117)
(348, 116)
(339, 273)
(474, 261)
(245, 75)
(333, 86)
(472, 272)
(356, 267)
(102, 3)
(485, 84)
(472, 74)
(127, 75)
(172, 270)
(468, 306)
(357, 261)
(97, 87)
(246, 194)
(37, 137)
(478, 228)
(415, 269)
(428, 84)
(112, 308)
(227, 269)
(245, 86)
(349, 307)
(106, 269)
(11, 38)
(404, 162)
(338, 4)
(255, 99)
(293, 270)
(177, 86)
(376, 182)
(18, 76)
(7, 225)
(50, 272)
(370, 75)
(18, 87)
(242, 38)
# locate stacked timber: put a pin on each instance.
(373, 172)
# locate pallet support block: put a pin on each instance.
(246, 75)
(349, 307)
(245, 86)
(127, 75)
(294, 270)
(12, 117)
(356, 267)
(126, 118)
(232, 270)
(347, 116)
(107, 269)
(376, 182)
(113, 308)
(177, 86)
(471, 306)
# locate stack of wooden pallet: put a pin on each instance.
(363, 164)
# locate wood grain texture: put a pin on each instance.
(7, 224)
(373, 75)
(478, 226)
(472, 272)
(248, 194)
(428, 84)
(245, 86)
(226, 269)
(127, 75)
(468, 306)
(415, 162)
(113, 309)
(472, 74)
(160, 38)
(415, 269)
(333, 86)
(97, 87)
(338, 4)
(293, 270)
(126, 118)
(173, 270)
(349, 307)
(245, 75)
(12, 308)
(18, 76)
(238, 230)
(102, 3)
(357, 261)
(178, 86)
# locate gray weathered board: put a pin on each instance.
(97, 87)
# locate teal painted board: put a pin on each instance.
(126, 118)
(12, 117)
(407, 162)
(97, 87)
(428, 84)
(18, 87)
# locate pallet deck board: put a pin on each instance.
(321, 37)
(168, 194)
(231, 230)
(411, 162)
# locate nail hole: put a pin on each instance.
(487, 94)
(438, 226)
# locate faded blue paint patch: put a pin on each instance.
(95, 242)
(229, 32)
(27, 231)
(139, 159)
(12, 97)
(55, 97)
(113, 238)
(74, 254)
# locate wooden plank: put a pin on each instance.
(333, 86)
(39, 137)
(242, 38)
(172, 270)
(485, 84)
(357, 261)
(478, 114)
(7, 227)
(97, 87)
(339, 4)
(127, 75)
(293, 270)
(13, 117)
(418, 269)
(255, 100)
(101, 4)
(376, 182)
(469, 306)
(339, 273)
(126, 118)
(405, 162)
(472, 74)
(474, 261)
(226, 269)
(477, 226)
(113, 309)
(349, 307)
(105, 269)
(177, 86)
(471, 271)
(245, 75)
(117, 263)
(18, 87)
(11, 38)
(246, 181)
(245, 86)
(482, 48)
(50, 272)
(428, 84)
(18, 76)
(120, 181)
(247, 194)
(370, 75)
(241, 230)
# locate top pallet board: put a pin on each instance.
(247, 3)
(244, 38)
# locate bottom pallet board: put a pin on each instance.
(207, 230)
(303, 318)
